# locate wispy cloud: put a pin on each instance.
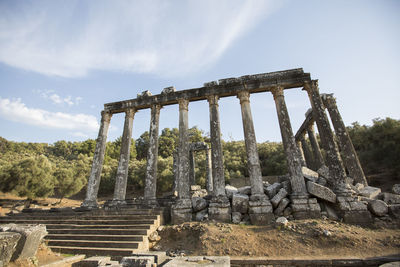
(163, 37)
(17, 111)
(56, 99)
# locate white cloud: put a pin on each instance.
(17, 111)
(162, 37)
(56, 99)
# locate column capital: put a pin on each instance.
(130, 112)
(213, 99)
(157, 107)
(183, 104)
(328, 100)
(244, 96)
(106, 116)
(277, 92)
(310, 86)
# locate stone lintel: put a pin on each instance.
(252, 83)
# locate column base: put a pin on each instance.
(304, 207)
(219, 209)
(352, 210)
(181, 211)
(151, 203)
(260, 210)
(115, 203)
(89, 204)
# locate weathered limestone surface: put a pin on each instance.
(200, 261)
(181, 211)
(236, 217)
(240, 203)
(337, 177)
(370, 192)
(230, 190)
(253, 162)
(210, 181)
(123, 164)
(216, 148)
(93, 261)
(273, 189)
(260, 210)
(31, 236)
(321, 192)
(150, 188)
(246, 190)
(310, 174)
(281, 207)
(293, 156)
(390, 198)
(278, 197)
(305, 208)
(350, 156)
(319, 160)
(307, 153)
(183, 151)
(303, 159)
(378, 207)
(199, 203)
(142, 261)
(97, 165)
(219, 209)
(8, 243)
(396, 189)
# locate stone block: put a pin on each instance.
(282, 221)
(240, 203)
(246, 190)
(321, 192)
(158, 256)
(199, 193)
(260, 212)
(181, 211)
(396, 189)
(332, 214)
(31, 236)
(390, 198)
(282, 206)
(168, 90)
(394, 210)
(236, 217)
(137, 261)
(201, 215)
(230, 190)
(287, 212)
(357, 205)
(219, 210)
(273, 189)
(357, 217)
(322, 181)
(309, 174)
(370, 192)
(278, 197)
(324, 172)
(93, 261)
(287, 186)
(199, 203)
(358, 187)
(195, 187)
(8, 244)
(378, 207)
(200, 261)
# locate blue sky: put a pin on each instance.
(60, 61)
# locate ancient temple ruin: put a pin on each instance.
(301, 190)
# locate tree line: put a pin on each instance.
(62, 169)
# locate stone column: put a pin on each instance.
(303, 159)
(216, 148)
(97, 165)
(181, 211)
(350, 156)
(253, 161)
(150, 188)
(260, 208)
(209, 185)
(292, 152)
(316, 150)
(175, 165)
(123, 164)
(192, 165)
(219, 207)
(307, 153)
(337, 173)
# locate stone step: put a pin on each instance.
(96, 231)
(91, 218)
(98, 226)
(100, 237)
(94, 251)
(79, 222)
(94, 244)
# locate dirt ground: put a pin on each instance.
(299, 239)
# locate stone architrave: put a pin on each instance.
(97, 165)
(150, 188)
(123, 164)
(336, 169)
(209, 181)
(253, 162)
(316, 150)
(292, 152)
(350, 156)
(307, 153)
(217, 163)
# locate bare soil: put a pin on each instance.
(299, 239)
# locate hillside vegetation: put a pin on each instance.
(40, 170)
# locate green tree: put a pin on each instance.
(142, 146)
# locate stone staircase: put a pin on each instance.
(96, 232)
